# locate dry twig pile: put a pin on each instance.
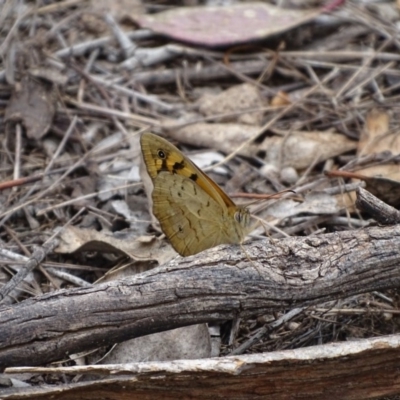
(310, 107)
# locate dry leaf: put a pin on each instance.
(300, 149)
(383, 180)
(33, 105)
(314, 203)
(187, 343)
(388, 190)
(74, 239)
(377, 138)
(227, 25)
(372, 139)
(231, 102)
(117, 8)
(223, 137)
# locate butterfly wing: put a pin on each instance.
(194, 212)
(176, 163)
(189, 217)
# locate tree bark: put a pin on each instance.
(218, 284)
(361, 369)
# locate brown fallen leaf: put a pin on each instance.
(231, 102)
(33, 105)
(300, 149)
(74, 239)
(227, 25)
(223, 137)
(377, 138)
(34, 95)
(372, 139)
(382, 180)
(387, 190)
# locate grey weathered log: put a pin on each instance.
(353, 370)
(214, 285)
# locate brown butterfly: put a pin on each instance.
(194, 212)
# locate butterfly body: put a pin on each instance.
(194, 212)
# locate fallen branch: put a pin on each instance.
(215, 285)
(366, 369)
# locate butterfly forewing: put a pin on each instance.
(176, 163)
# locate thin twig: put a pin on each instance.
(37, 257)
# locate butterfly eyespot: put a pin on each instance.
(161, 154)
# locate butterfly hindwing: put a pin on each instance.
(187, 215)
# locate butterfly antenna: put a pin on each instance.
(257, 197)
(268, 227)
